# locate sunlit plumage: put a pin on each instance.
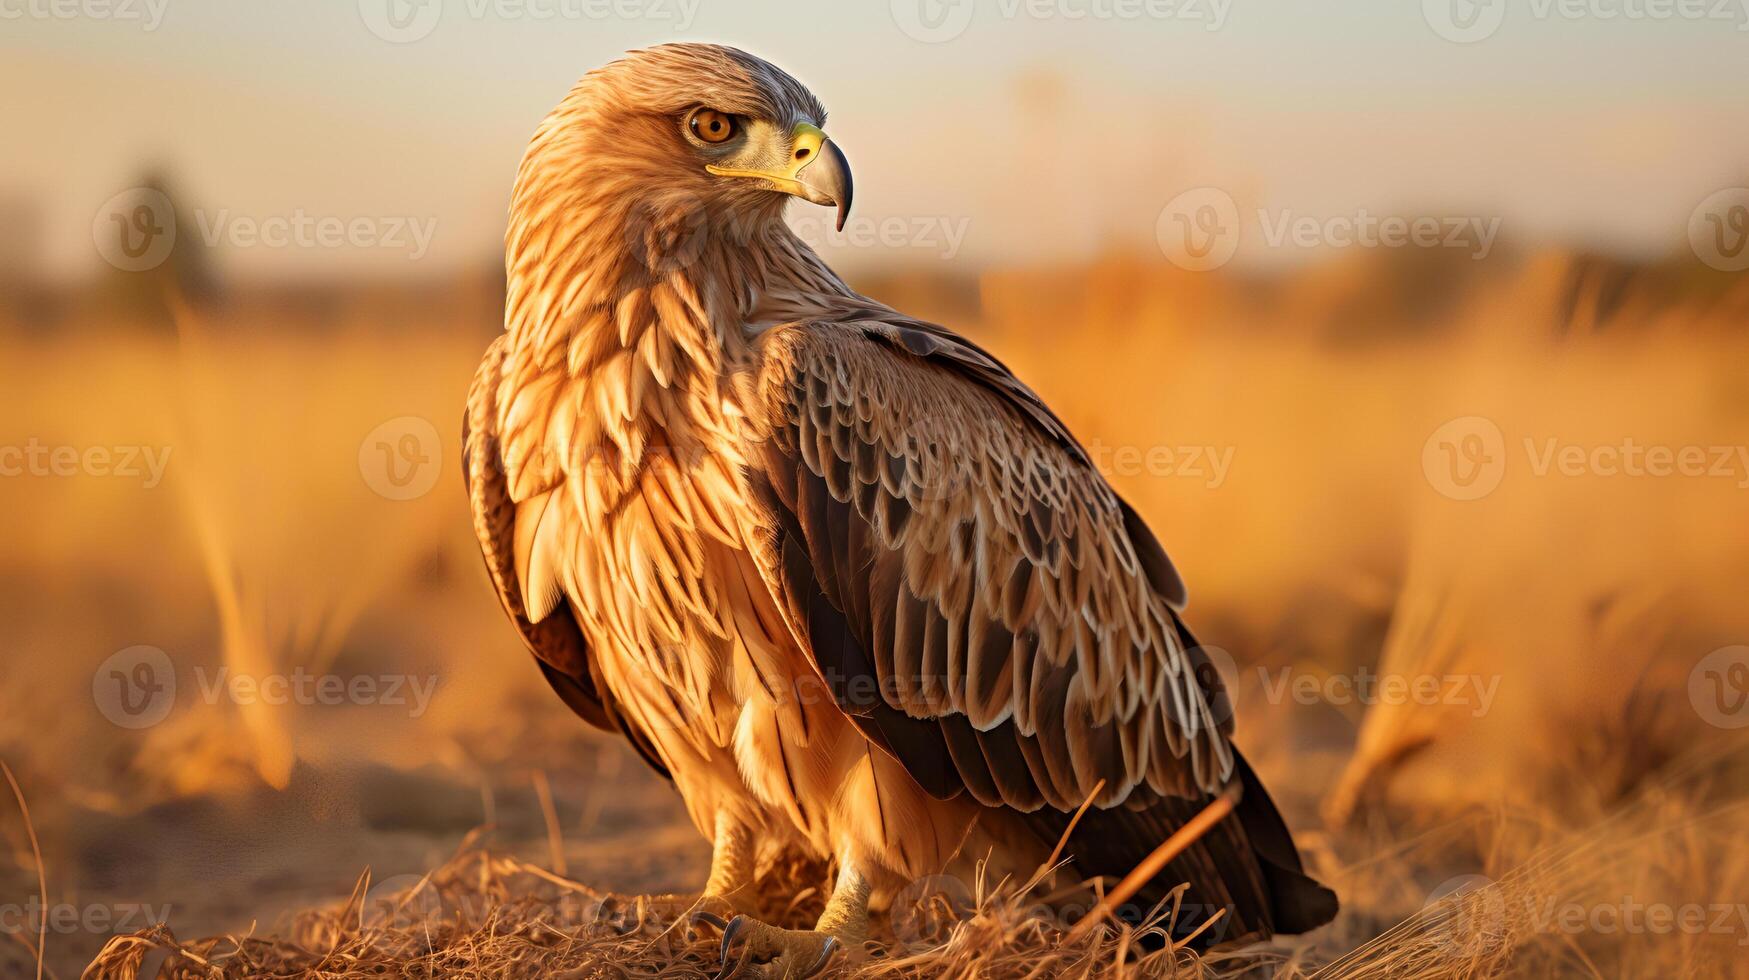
(834, 570)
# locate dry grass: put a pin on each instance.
(1590, 781)
(481, 915)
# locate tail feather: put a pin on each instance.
(1298, 903)
(1246, 868)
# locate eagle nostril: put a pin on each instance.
(802, 154)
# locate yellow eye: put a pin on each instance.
(711, 126)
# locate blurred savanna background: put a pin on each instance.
(1420, 336)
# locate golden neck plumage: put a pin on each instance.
(592, 275)
(627, 320)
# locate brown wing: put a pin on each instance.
(990, 582)
(556, 641)
(986, 609)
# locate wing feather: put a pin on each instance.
(518, 542)
(990, 580)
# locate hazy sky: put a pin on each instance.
(996, 130)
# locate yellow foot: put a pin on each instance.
(753, 949)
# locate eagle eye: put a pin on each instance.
(711, 126)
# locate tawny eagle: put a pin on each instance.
(832, 569)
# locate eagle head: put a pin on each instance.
(675, 135)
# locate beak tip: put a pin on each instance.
(837, 184)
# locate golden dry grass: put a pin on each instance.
(1592, 781)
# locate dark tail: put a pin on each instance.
(1246, 868)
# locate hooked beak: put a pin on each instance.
(816, 172)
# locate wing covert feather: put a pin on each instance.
(987, 577)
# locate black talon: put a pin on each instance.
(708, 918)
(730, 931)
(825, 957)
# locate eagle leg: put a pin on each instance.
(754, 949)
(729, 890)
(729, 887)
